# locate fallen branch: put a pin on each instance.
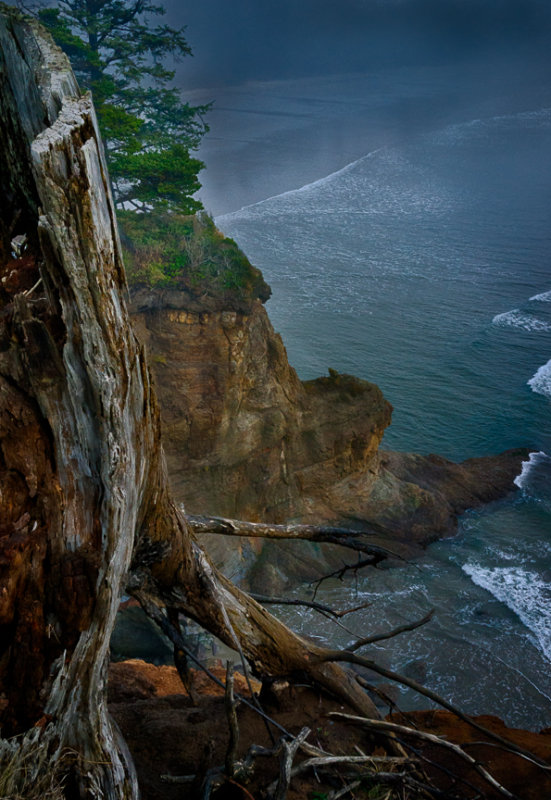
(452, 775)
(338, 793)
(331, 761)
(289, 751)
(393, 728)
(352, 610)
(352, 658)
(388, 701)
(405, 780)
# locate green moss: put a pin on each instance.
(188, 253)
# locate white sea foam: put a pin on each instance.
(541, 381)
(534, 461)
(539, 118)
(524, 592)
(544, 297)
(301, 189)
(535, 479)
(517, 319)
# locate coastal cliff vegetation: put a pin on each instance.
(187, 253)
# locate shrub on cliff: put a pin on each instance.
(187, 253)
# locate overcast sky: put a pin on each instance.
(235, 40)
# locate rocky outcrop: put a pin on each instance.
(245, 438)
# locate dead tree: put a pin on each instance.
(85, 509)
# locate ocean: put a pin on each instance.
(403, 220)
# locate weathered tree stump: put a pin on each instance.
(85, 510)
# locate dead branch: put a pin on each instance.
(338, 793)
(229, 704)
(181, 662)
(405, 780)
(440, 767)
(331, 761)
(325, 611)
(392, 727)
(341, 572)
(289, 751)
(353, 658)
(284, 601)
(378, 693)
(391, 634)
(155, 613)
(346, 537)
(352, 610)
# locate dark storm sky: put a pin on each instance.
(236, 40)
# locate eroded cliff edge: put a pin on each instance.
(245, 438)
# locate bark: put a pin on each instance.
(345, 537)
(84, 503)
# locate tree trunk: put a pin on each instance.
(84, 504)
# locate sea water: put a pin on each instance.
(421, 263)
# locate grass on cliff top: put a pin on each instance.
(172, 251)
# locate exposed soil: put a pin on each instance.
(169, 735)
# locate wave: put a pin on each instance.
(524, 592)
(479, 127)
(307, 187)
(544, 297)
(541, 381)
(535, 479)
(517, 319)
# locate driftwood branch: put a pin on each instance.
(407, 781)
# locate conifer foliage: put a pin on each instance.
(118, 52)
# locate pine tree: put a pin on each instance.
(118, 53)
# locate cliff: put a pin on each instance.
(245, 438)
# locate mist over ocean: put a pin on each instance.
(403, 219)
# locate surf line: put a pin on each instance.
(306, 187)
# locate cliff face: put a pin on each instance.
(244, 436)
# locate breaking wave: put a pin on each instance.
(524, 592)
(517, 319)
(541, 381)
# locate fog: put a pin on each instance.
(246, 40)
